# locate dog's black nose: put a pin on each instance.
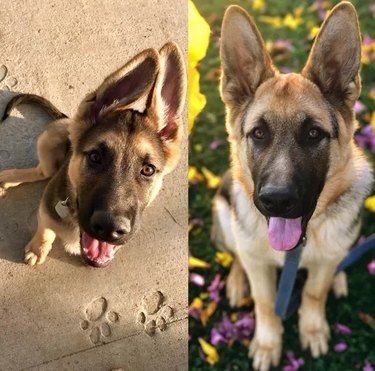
(109, 228)
(278, 200)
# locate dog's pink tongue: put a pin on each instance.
(96, 250)
(284, 234)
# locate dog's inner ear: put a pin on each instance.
(170, 91)
(128, 88)
(245, 61)
(335, 57)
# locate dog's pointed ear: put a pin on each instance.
(168, 102)
(335, 59)
(130, 87)
(245, 61)
(170, 92)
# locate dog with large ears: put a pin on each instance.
(295, 172)
(107, 162)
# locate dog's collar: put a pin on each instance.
(288, 279)
(62, 208)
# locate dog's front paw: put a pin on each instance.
(34, 254)
(315, 336)
(2, 190)
(265, 355)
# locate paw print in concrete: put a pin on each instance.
(155, 314)
(99, 320)
(6, 82)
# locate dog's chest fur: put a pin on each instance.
(329, 235)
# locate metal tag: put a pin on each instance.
(62, 209)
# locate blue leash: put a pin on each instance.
(287, 301)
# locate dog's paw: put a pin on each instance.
(34, 254)
(315, 337)
(155, 314)
(340, 285)
(99, 321)
(2, 190)
(265, 355)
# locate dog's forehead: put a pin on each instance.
(288, 99)
(124, 135)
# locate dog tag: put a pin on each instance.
(62, 209)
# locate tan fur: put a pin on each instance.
(158, 69)
(252, 88)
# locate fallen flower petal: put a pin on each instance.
(370, 203)
(197, 263)
(367, 366)
(216, 337)
(224, 258)
(342, 329)
(197, 279)
(194, 176)
(294, 363)
(371, 267)
(209, 351)
(196, 308)
(212, 179)
(208, 312)
(340, 347)
(367, 318)
(358, 107)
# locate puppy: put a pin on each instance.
(295, 172)
(107, 163)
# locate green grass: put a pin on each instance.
(210, 126)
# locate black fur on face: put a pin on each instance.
(288, 159)
(122, 160)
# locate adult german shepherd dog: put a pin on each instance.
(107, 162)
(295, 172)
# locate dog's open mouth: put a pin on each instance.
(284, 234)
(97, 253)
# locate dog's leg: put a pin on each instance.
(51, 146)
(14, 177)
(237, 286)
(265, 348)
(38, 248)
(313, 326)
(340, 285)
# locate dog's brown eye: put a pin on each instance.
(258, 133)
(95, 157)
(314, 133)
(148, 170)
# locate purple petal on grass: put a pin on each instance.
(215, 283)
(195, 313)
(217, 337)
(215, 144)
(340, 347)
(197, 221)
(202, 355)
(367, 40)
(342, 329)
(366, 137)
(358, 107)
(214, 288)
(197, 279)
(372, 144)
(371, 267)
(294, 363)
(230, 331)
(283, 44)
(285, 70)
(367, 366)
